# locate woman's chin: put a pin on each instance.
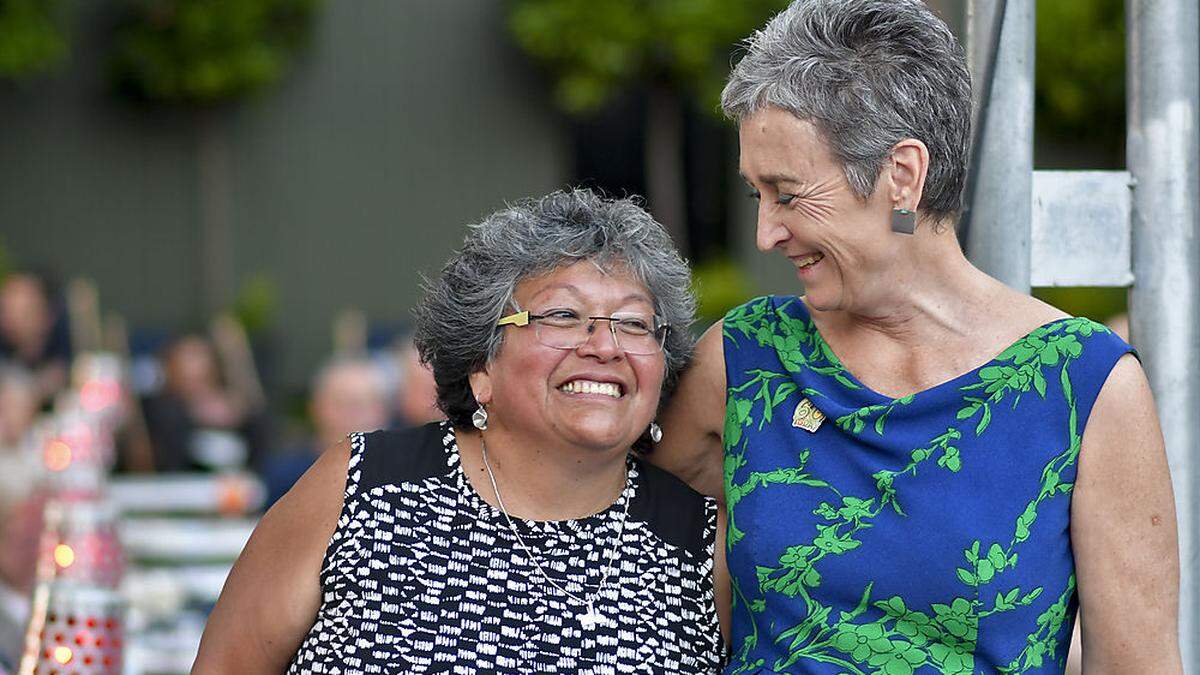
(821, 300)
(599, 437)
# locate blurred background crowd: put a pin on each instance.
(194, 406)
(224, 207)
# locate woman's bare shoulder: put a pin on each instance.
(318, 493)
(272, 596)
(1023, 312)
(694, 417)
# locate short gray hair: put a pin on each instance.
(456, 331)
(867, 74)
(358, 365)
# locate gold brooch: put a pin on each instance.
(807, 417)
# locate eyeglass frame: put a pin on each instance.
(525, 317)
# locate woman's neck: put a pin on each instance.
(538, 482)
(936, 317)
(932, 291)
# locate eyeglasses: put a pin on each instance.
(564, 329)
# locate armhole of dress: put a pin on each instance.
(358, 446)
(1119, 353)
(710, 579)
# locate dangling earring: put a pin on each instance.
(904, 221)
(479, 418)
(655, 432)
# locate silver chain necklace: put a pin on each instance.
(591, 618)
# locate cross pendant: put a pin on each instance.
(591, 618)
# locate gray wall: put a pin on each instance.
(403, 121)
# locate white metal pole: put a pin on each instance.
(1163, 76)
(998, 236)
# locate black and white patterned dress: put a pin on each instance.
(422, 575)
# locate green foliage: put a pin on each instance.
(1080, 70)
(593, 48)
(1099, 304)
(31, 41)
(720, 285)
(255, 304)
(5, 261)
(207, 51)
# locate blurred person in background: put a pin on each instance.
(19, 401)
(925, 470)
(348, 394)
(197, 422)
(415, 397)
(17, 568)
(20, 505)
(33, 332)
(20, 530)
(521, 535)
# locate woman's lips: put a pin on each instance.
(808, 259)
(807, 264)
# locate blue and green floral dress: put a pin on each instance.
(925, 534)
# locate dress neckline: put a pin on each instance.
(480, 505)
(932, 389)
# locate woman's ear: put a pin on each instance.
(906, 173)
(481, 386)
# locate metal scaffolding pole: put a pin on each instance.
(1163, 150)
(998, 232)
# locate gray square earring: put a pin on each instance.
(904, 221)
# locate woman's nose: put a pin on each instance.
(769, 232)
(601, 340)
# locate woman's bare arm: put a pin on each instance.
(723, 591)
(1123, 534)
(271, 597)
(694, 421)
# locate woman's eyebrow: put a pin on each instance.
(574, 290)
(570, 288)
(772, 179)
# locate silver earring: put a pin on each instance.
(655, 432)
(904, 221)
(479, 418)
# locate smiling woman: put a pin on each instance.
(925, 471)
(522, 535)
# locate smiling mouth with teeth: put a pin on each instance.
(809, 260)
(589, 387)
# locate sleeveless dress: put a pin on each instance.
(925, 534)
(422, 575)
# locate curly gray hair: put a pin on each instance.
(867, 73)
(456, 331)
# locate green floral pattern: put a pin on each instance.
(786, 619)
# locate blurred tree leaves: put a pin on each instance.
(207, 51)
(31, 41)
(1099, 304)
(1080, 71)
(6, 265)
(720, 284)
(593, 48)
(256, 302)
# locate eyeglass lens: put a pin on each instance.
(632, 336)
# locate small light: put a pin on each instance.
(58, 456)
(64, 555)
(93, 396)
(63, 655)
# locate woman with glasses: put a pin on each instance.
(521, 535)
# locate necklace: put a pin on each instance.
(591, 618)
